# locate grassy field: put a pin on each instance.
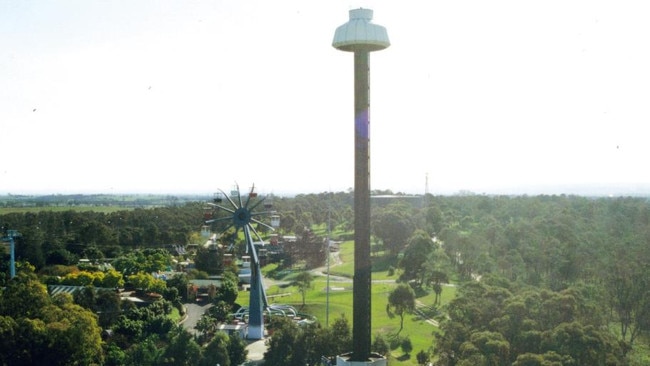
(340, 304)
(175, 315)
(89, 208)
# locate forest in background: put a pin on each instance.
(543, 279)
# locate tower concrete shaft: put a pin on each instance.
(361, 323)
(360, 36)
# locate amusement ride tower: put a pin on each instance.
(243, 215)
(360, 36)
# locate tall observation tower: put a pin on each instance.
(360, 36)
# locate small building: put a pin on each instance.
(239, 328)
(201, 290)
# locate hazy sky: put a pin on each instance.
(178, 96)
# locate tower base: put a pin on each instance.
(375, 360)
(255, 332)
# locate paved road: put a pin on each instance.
(194, 312)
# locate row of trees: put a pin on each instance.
(52, 237)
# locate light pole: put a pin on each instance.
(361, 36)
(329, 254)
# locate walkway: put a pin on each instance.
(256, 351)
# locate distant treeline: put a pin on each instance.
(550, 240)
(124, 200)
(59, 237)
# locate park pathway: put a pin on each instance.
(421, 310)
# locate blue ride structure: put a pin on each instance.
(243, 216)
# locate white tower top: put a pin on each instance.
(360, 34)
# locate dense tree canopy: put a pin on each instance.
(528, 260)
(306, 345)
(38, 331)
(55, 236)
(494, 322)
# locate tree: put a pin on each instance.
(547, 359)
(206, 324)
(93, 254)
(296, 346)
(179, 282)
(380, 345)
(32, 342)
(303, 282)
(112, 279)
(435, 272)
(312, 248)
(281, 347)
(146, 282)
(74, 335)
(115, 356)
(228, 291)
(182, 349)
(436, 279)
(220, 311)
(406, 345)
(145, 353)
(127, 264)
(61, 256)
(629, 296)
(24, 296)
(107, 305)
(28, 247)
(492, 346)
(85, 297)
(208, 260)
(393, 227)
(333, 340)
(8, 329)
(341, 335)
(586, 345)
(434, 217)
(237, 351)
(401, 301)
(305, 349)
(216, 352)
(147, 260)
(308, 248)
(416, 253)
(422, 357)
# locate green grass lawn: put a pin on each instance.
(175, 315)
(340, 304)
(418, 330)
